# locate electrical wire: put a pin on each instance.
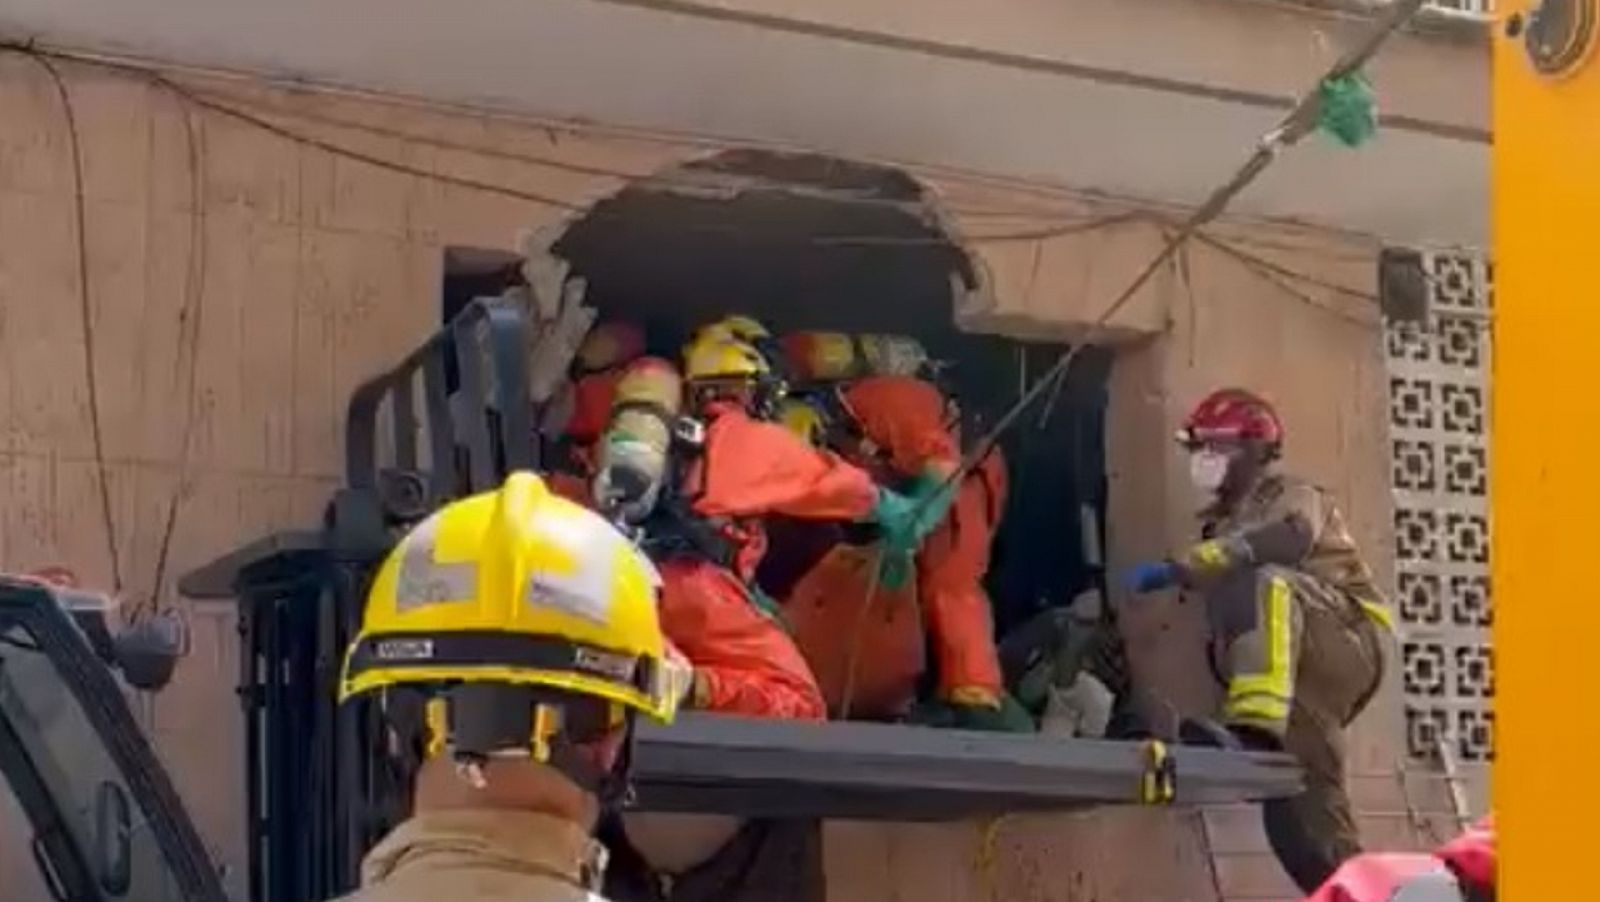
(711, 181)
(188, 346)
(242, 111)
(1284, 271)
(230, 107)
(1298, 122)
(86, 314)
(1283, 285)
(329, 147)
(690, 180)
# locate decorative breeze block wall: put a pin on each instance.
(1438, 428)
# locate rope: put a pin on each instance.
(1300, 121)
(853, 656)
(86, 318)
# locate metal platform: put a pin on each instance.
(863, 771)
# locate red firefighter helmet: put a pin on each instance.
(1232, 415)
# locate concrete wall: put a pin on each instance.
(298, 273)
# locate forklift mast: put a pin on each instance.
(445, 422)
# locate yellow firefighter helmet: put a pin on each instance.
(715, 357)
(738, 326)
(804, 419)
(519, 588)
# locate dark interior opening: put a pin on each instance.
(813, 242)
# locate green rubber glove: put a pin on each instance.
(897, 517)
(933, 494)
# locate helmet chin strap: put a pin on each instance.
(612, 788)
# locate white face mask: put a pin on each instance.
(1208, 469)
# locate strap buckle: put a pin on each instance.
(1158, 784)
(689, 432)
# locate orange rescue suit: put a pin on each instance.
(744, 663)
(950, 571)
(750, 468)
(592, 395)
(744, 660)
(905, 418)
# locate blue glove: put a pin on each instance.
(1153, 576)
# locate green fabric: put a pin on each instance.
(1010, 718)
(896, 516)
(1347, 110)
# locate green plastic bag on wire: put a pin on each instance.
(1347, 110)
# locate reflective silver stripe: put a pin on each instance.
(422, 580)
(585, 592)
(1433, 886)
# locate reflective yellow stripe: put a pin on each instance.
(1210, 555)
(1258, 707)
(1266, 695)
(1256, 684)
(1379, 614)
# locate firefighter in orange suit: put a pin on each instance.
(1297, 622)
(744, 662)
(605, 352)
(751, 467)
(700, 487)
(902, 428)
(868, 652)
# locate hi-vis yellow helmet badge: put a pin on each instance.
(518, 586)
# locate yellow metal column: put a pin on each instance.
(1546, 450)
